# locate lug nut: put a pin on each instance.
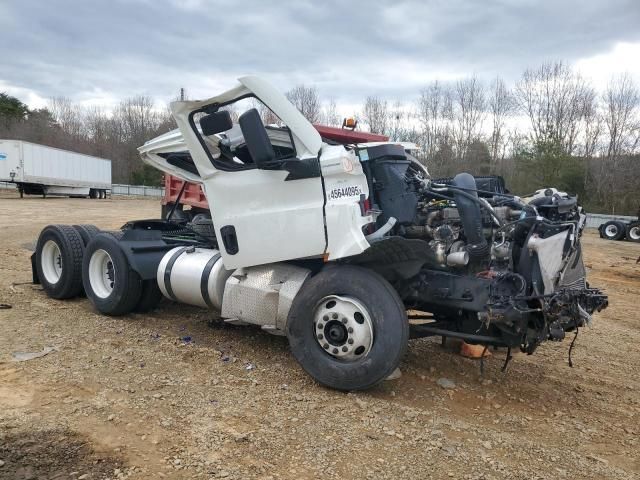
(325, 318)
(335, 350)
(350, 330)
(325, 346)
(350, 341)
(344, 349)
(320, 326)
(344, 320)
(334, 315)
(320, 337)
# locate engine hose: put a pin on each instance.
(451, 189)
(484, 192)
(469, 209)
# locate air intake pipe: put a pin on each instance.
(470, 215)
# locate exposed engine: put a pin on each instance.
(491, 267)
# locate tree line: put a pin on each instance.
(114, 134)
(550, 128)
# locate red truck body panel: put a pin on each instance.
(193, 194)
(344, 136)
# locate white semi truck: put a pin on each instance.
(332, 244)
(41, 170)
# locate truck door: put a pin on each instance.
(266, 202)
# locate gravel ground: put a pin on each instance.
(178, 394)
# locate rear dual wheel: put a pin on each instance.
(348, 328)
(612, 230)
(110, 283)
(97, 193)
(58, 260)
(633, 232)
(86, 232)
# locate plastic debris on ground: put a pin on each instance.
(25, 356)
(446, 383)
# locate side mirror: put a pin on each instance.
(256, 138)
(216, 122)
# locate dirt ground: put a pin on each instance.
(178, 394)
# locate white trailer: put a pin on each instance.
(41, 170)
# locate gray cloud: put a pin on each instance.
(88, 50)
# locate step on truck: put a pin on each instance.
(40, 170)
(331, 245)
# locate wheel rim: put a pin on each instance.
(634, 233)
(51, 261)
(102, 273)
(611, 230)
(343, 328)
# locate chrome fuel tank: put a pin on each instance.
(195, 276)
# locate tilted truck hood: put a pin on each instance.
(170, 142)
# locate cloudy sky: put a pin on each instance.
(97, 52)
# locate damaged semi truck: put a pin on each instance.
(332, 244)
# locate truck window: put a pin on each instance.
(227, 150)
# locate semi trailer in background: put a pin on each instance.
(41, 170)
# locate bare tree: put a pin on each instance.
(469, 111)
(435, 115)
(330, 113)
(592, 125)
(622, 120)
(552, 96)
(500, 106)
(306, 100)
(267, 116)
(376, 114)
(396, 121)
(67, 115)
(622, 100)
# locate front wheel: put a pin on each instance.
(348, 328)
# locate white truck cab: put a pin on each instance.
(302, 198)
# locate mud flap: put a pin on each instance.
(34, 270)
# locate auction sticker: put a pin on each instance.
(344, 192)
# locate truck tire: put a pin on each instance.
(87, 232)
(59, 261)
(612, 230)
(150, 296)
(110, 283)
(348, 328)
(633, 232)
